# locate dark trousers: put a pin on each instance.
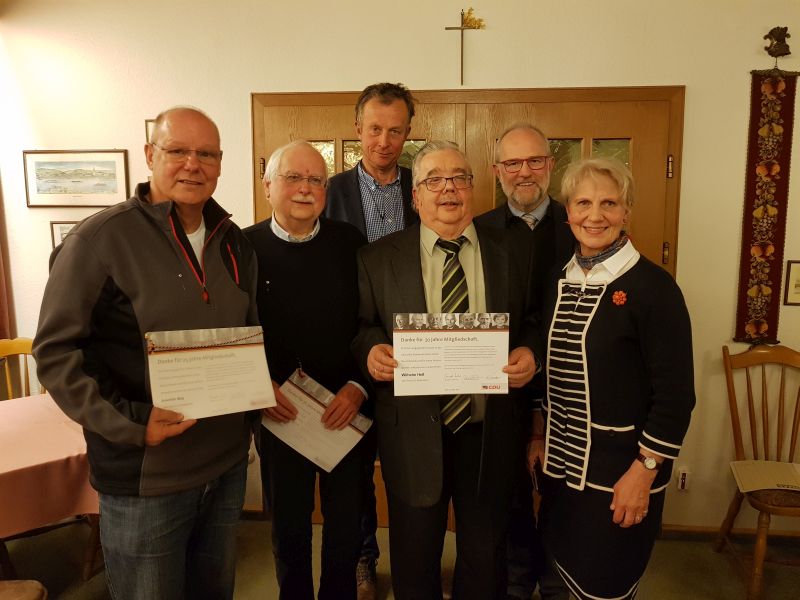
(369, 509)
(416, 535)
(291, 479)
(525, 552)
(551, 585)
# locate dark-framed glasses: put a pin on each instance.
(177, 155)
(295, 179)
(437, 184)
(535, 163)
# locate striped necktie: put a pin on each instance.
(530, 220)
(455, 410)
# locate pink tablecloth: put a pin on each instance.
(44, 472)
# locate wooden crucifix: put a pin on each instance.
(468, 21)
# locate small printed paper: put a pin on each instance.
(306, 434)
(754, 475)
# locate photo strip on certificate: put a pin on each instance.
(450, 353)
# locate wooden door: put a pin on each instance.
(645, 123)
(331, 127)
(637, 132)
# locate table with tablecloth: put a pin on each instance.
(44, 471)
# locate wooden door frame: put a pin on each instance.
(673, 95)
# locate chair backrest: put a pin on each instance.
(20, 347)
(767, 379)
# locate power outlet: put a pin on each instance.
(682, 477)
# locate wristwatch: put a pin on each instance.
(650, 463)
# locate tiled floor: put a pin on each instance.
(679, 570)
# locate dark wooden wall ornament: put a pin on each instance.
(769, 152)
(777, 43)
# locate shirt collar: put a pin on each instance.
(538, 212)
(428, 237)
(281, 233)
(370, 181)
(608, 270)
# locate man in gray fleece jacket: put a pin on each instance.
(169, 258)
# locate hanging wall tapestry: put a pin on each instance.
(769, 153)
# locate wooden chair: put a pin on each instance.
(769, 393)
(20, 347)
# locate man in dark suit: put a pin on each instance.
(375, 196)
(425, 463)
(523, 164)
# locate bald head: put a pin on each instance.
(185, 158)
(163, 120)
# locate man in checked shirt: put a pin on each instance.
(375, 196)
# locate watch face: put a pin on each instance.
(650, 463)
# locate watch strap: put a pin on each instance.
(650, 463)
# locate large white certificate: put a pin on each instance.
(209, 372)
(450, 353)
(306, 433)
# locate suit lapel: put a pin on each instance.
(356, 208)
(407, 271)
(409, 215)
(494, 257)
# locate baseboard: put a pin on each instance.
(697, 533)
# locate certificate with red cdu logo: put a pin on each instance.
(450, 353)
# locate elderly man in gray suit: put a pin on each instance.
(426, 457)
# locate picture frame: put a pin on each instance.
(791, 287)
(75, 178)
(59, 230)
(149, 126)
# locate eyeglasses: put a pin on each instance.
(295, 179)
(177, 155)
(437, 184)
(535, 163)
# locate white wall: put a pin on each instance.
(82, 74)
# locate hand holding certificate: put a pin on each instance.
(209, 372)
(306, 433)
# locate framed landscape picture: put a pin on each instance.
(791, 293)
(75, 177)
(59, 230)
(149, 126)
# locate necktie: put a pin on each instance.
(455, 297)
(455, 410)
(530, 220)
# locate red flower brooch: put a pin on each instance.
(619, 298)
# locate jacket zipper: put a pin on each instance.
(201, 280)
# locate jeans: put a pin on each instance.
(180, 545)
